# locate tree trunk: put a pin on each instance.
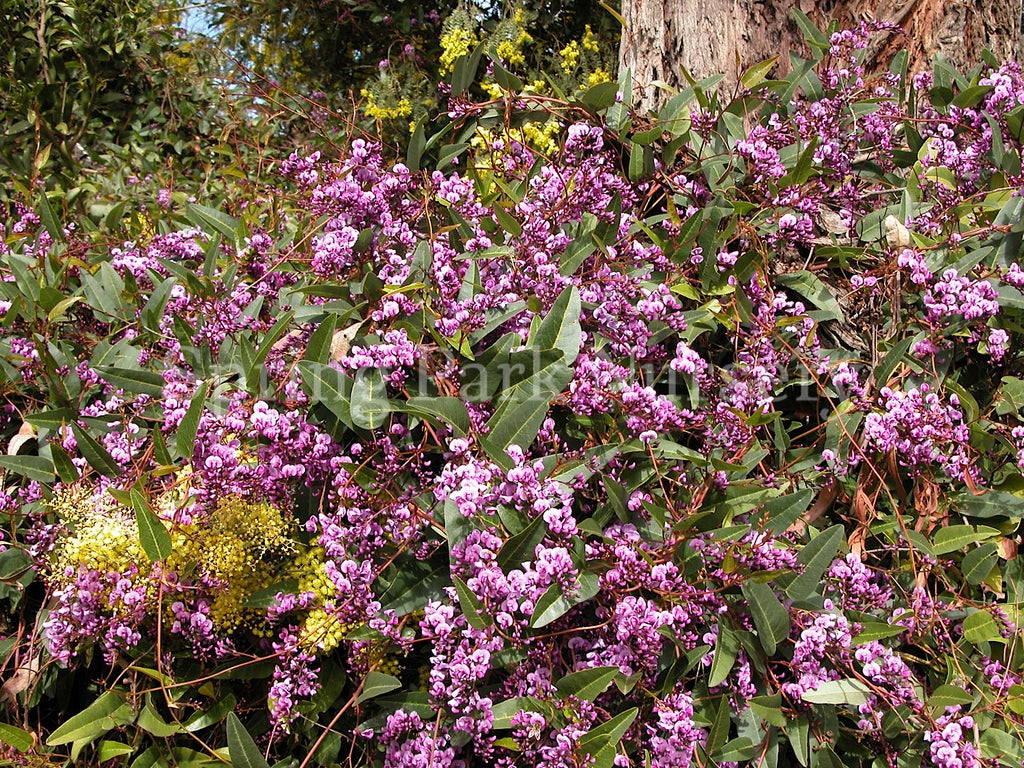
(706, 37)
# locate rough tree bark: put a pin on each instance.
(710, 36)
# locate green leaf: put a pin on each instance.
(134, 381)
(369, 404)
(586, 684)
(804, 168)
(554, 604)
(185, 437)
(94, 453)
(110, 750)
(770, 617)
(718, 734)
(991, 504)
(504, 711)
(205, 718)
(415, 586)
(1010, 398)
(785, 510)
(49, 219)
(329, 386)
(524, 406)
(417, 144)
(980, 627)
(471, 607)
(151, 722)
(601, 742)
(811, 287)
(521, 547)
(267, 597)
(812, 34)
(504, 78)
(155, 540)
(876, 630)
(14, 563)
(1006, 748)
(798, 730)
(377, 684)
(727, 646)
(949, 696)
(978, 563)
(954, 537)
(213, 222)
(560, 328)
(109, 711)
(57, 314)
(318, 350)
(241, 748)
(847, 691)
(253, 373)
(600, 96)
(33, 467)
(756, 74)
(893, 358)
(157, 303)
(816, 557)
(16, 738)
(52, 419)
(443, 411)
(739, 750)
(65, 467)
(769, 709)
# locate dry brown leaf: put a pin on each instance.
(342, 340)
(1007, 548)
(896, 234)
(23, 441)
(20, 680)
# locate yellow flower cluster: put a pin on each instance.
(455, 43)
(598, 76)
(590, 41)
(512, 38)
(570, 56)
(543, 136)
(103, 535)
(233, 546)
(401, 108)
(321, 631)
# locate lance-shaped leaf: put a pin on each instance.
(586, 684)
(94, 453)
(185, 438)
(369, 403)
(377, 684)
(241, 748)
(329, 386)
(601, 743)
(770, 617)
(524, 406)
(815, 557)
(560, 328)
(155, 540)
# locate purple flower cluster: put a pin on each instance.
(950, 743)
(922, 430)
(94, 606)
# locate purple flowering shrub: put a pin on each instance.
(697, 442)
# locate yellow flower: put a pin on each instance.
(102, 535)
(570, 56)
(598, 76)
(455, 43)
